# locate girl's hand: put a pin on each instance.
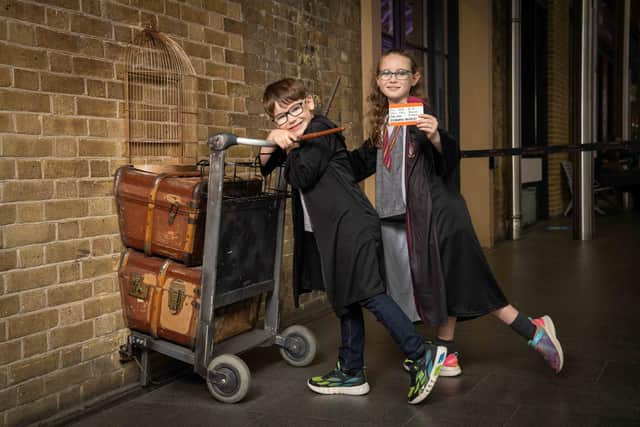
(429, 125)
(283, 138)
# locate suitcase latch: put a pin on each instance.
(137, 287)
(173, 211)
(176, 296)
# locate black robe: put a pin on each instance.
(345, 225)
(451, 276)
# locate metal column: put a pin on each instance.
(516, 142)
(626, 87)
(583, 174)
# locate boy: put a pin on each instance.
(337, 244)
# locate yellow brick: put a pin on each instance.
(54, 125)
(63, 105)
(26, 80)
(69, 272)
(26, 146)
(62, 83)
(92, 67)
(70, 314)
(34, 344)
(31, 256)
(98, 385)
(66, 189)
(6, 123)
(98, 226)
(68, 293)
(97, 107)
(100, 148)
(29, 169)
(31, 301)
(71, 334)
(34, 411)
(32, 323)
(95, 89)
(30, 391)
(67, 251)
(101, 246)
(7, 169)
(103, 286)
(65, 209)
(15, 191)
(97, 127)
(8, 261)
(33, 367)
(23, 101)
(96, 188)
(65, 147)
(26, 234)
(66, 168)
(71, 356)
(62, 379)
(69, 398)
(21, 280)
(99, 168)
(28, 123)
(9, 305)
(102, 305)
(23, 57)
(30, 212)
(57, 19)
(8, 398)
(68, 230)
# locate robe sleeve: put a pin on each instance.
(276, 159)
(363, 161)
(306, 165)
(447, 161)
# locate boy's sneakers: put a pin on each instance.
(339, 382)
(546, 343)
(424, 372)
(450, 368)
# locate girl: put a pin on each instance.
(435, 266)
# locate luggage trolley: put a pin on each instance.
(227, 376)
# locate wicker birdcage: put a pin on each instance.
(161, 103)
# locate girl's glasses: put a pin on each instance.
(294, 111)
(400, 74)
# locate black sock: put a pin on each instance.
(450, 344)
(523, 326)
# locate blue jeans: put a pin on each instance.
(351, 352)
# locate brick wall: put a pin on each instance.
(558, 100)
(62, 136)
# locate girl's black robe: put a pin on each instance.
(451, 276)
(345, 225)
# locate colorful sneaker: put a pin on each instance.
(546, 343)
(424, 372)
(450, 368)
(339, 382)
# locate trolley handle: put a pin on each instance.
(222, 141)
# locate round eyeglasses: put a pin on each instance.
(295, 110)
(399, 75)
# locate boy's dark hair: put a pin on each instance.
(283, 91)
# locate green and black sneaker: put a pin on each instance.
(424, 372)
(339, 382)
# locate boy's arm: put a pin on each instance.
(271, 158)
(306, 165)
(363, 161)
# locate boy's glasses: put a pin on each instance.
(295, 110)
(400, 74)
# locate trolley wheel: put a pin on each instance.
(228, 378)
(300, 346)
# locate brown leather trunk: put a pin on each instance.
(164, 214)
(162, 298)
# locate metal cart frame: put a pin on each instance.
(227, 376)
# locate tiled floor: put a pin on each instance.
(591, 289)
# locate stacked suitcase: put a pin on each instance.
(162, 225)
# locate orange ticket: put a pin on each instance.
(405, 114)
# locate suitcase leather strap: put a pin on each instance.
(156, 306)
(151, 203)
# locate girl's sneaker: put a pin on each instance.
(546, 343)
(340, 382)
(450, 368)
(424, 372)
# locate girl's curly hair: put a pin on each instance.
(378, 103)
